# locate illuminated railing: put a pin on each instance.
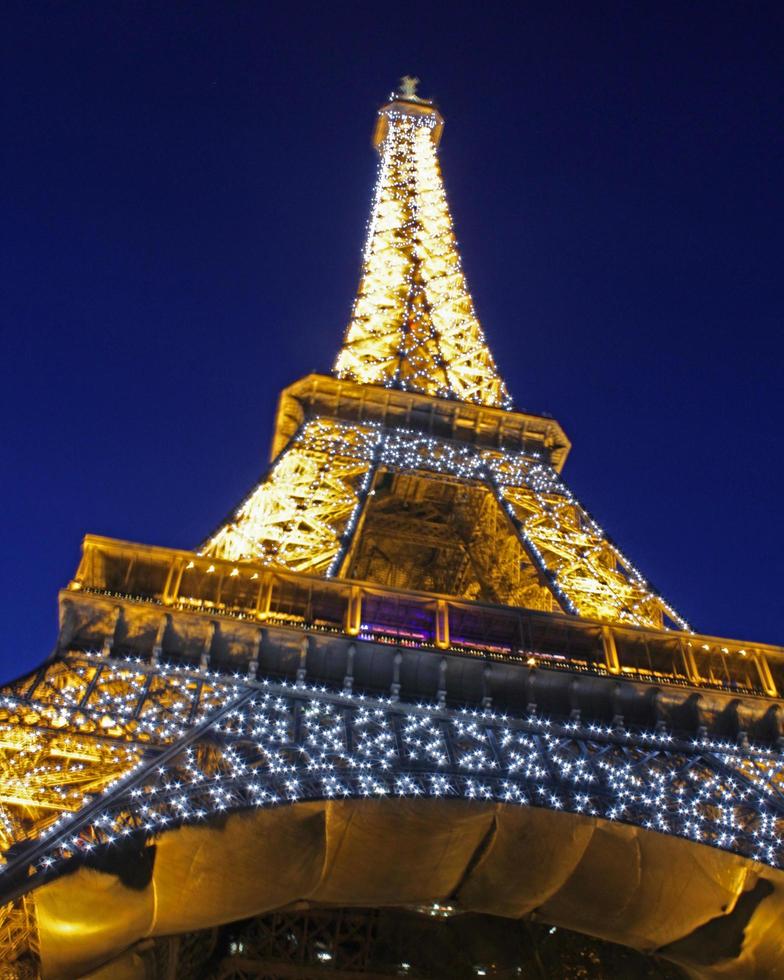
(254, 592)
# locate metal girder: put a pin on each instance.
(432, 942)
(413, 325)
(310, 512)
(19, 940)
(297, 516)
(297, 944)
(267, 744)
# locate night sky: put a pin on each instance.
(185, 188)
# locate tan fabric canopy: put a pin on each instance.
(617, 882)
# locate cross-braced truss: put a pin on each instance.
(447, 536)
(299, 945)
(413, 325)
(297, 516)
(309, 513)
(150, 748)
(431, 942)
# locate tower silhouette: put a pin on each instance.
(409, 672)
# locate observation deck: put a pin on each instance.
(251, 618)
(483, 426)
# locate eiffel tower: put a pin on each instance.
(408, 711)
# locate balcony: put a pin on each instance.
(257, 594)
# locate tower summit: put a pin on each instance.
(413, 325)
(409, 677)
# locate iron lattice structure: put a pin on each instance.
(516, 534)
(364, 942)
(411, 604)
(152, 746)
(413, 324)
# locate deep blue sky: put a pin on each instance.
(184, 193)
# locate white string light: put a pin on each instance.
(278, 742)
(327, 472)
(413, 325)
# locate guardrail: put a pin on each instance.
(185, 580)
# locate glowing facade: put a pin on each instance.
(409, 640)
(413, 325)
(508, 530)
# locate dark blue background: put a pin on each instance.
(184, 194)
